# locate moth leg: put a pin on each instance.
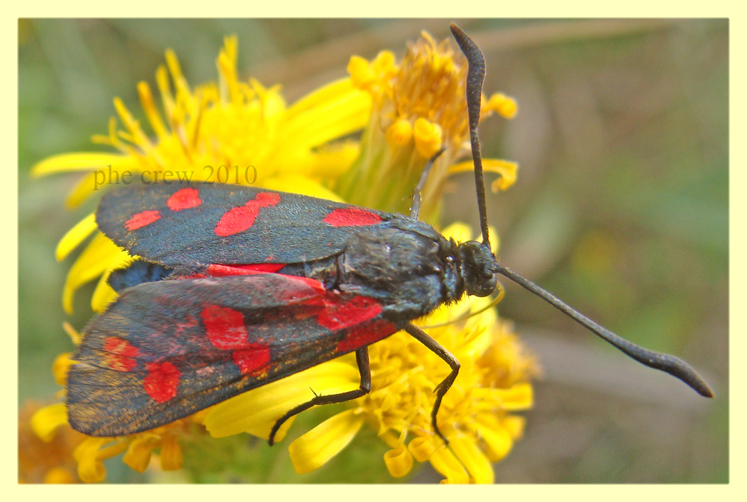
(416, 199)
(445, 385)
(364, 367)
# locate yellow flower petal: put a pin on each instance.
(515, 425)
(72, 333)
(90, 467)
(133, 126)
(334, 160)
(60, 367)
(91, 470)
(81, 161)
(46, 420)
(398, 461)
(321, 96)
(472, 459)
(257, 411)
(103, 295)
(497, 438)
(421, 448)
(139, 453)
(316, 447)
(299, 184)
(346, 113)
(518, 397)
(112, 449)
(75, 236)
(93, 261)
(507, 169)
(171, 453)
(444, 461)
(86, 186)
(149, 107)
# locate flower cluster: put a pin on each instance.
(407, 111)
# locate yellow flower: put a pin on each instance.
(45, 450)
(493, 381)
(475, 415)
(230, 131)
(408, 111)
(419, 108)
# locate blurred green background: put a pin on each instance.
(621, 207)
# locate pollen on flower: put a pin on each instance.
(476, 415)
(503, 105)
(428, 137)
(361, 72)
(420, 98)
(399, 133)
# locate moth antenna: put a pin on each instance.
(664, 362)
(475, 78)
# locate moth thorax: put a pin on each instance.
(478, 268)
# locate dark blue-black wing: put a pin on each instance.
(167, 349)
(196, 224)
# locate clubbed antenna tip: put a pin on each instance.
(475, 78)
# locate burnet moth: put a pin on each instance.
(237, 287)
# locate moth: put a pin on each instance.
(236, 287)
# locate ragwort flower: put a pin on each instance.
(475, 414)
(232, 131)
(419, 108)
(408, 111)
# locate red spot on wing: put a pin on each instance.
(242, 218)
(217, 270)
(365, 335)
(351, 217)
(340, 315)
(119, 354)
(252, 359)
(185, 198)
(142, 219)
(161, 381)
(225, 327)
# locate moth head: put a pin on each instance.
(479, 269)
